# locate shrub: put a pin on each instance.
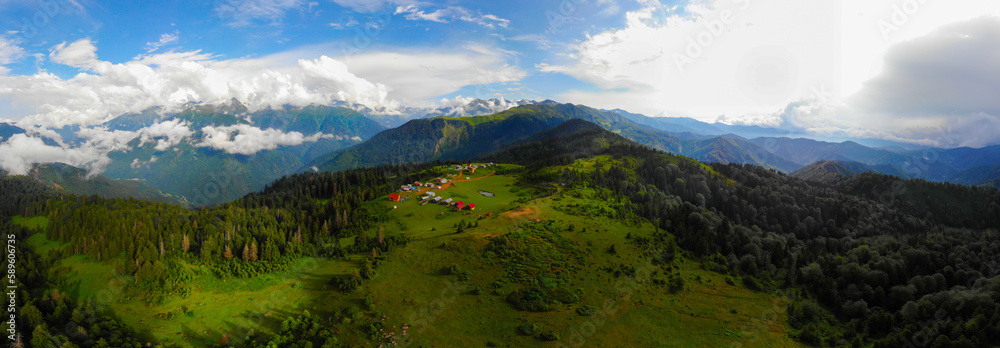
(587, 311)
(529, 329)
(549, 336)
(530, 299)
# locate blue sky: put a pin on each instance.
(122, 30)
(886, 69)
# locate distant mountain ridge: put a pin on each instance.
(834, 172)
(459, 107)
(206, 175)
(444, 138)
(986, 176)
(68, 179)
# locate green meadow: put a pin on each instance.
(453, 288)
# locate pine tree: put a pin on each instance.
(185, 243)
(162, 250)
(246, 252)
(229, 252)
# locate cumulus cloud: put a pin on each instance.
(172, 79)
(710, 58)
(420, 76)
(166, 134)
(450, 14)
(935, 90)
(954, 70)
(106, 141)
(81, 54)
(247, 140)
(705, 58)
(136, 163)
(19, 153)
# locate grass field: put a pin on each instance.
(39, 223)
(448, 310)
(216, 310)
(443, 311)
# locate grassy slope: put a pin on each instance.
(411, 289)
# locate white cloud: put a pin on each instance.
(165, 39)
(450, 14)
(745, 58)
(242, 13)
(171, 79)
(363, 6)
(81, 54)
(9, 53)
(167, 134)
(106, 141)
(420, 76)
(247, 140)
(610, 7)
(348, 24)
(938, 89)
(954, 70)
(136, 163)
(19, 153)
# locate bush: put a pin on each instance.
(587, 311)
(549, 336)
(529, 329)
(530, 299)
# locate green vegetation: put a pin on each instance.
(589, 239)
(37, 223)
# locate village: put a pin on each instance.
(421, 191)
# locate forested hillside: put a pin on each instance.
(873, 260)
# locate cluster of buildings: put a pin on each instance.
(471, 168)
(431, 197)
(436, 184)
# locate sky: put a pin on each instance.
(917, 71)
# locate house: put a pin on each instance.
(437, 199)
(394, 197)
(459, 205)
(430, 194)
(447, 201)
(472, 206)
(442, 181)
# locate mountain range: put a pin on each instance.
(208, 154)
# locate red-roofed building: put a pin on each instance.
(472, 206)
(459, 205)
(394, 197)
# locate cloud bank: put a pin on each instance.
(244, 139)
(104, 90)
